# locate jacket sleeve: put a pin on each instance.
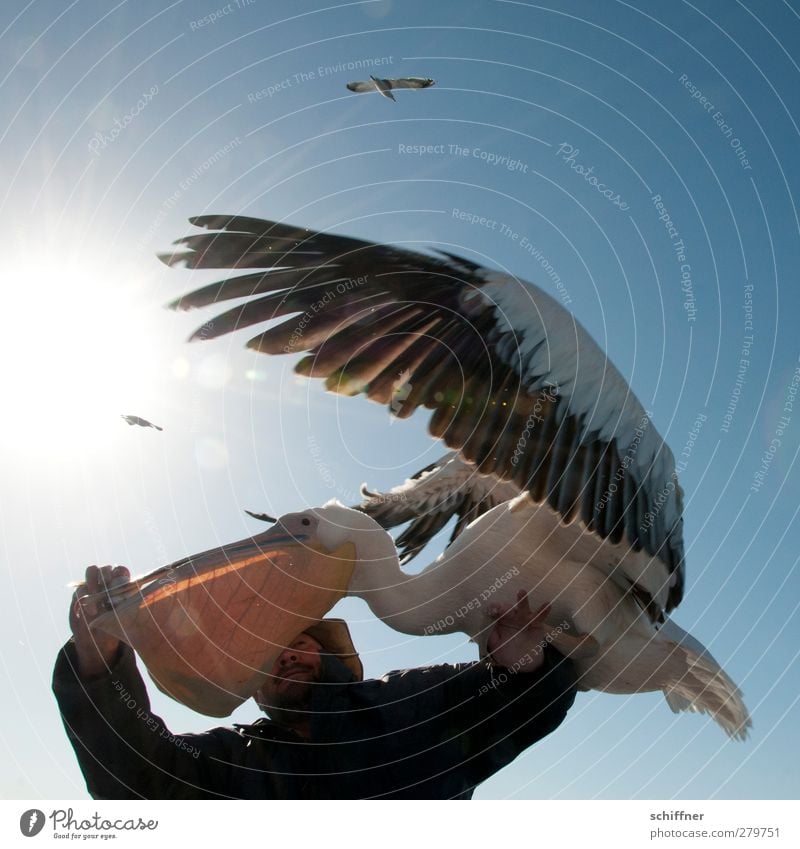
(483, 716)
(512, 710)
(125, 751)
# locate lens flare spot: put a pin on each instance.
(211, 453)
(213, 372)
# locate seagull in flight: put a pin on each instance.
(385, 87)
(137, 420)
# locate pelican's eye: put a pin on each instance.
(306, 521)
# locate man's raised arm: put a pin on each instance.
(124, 751)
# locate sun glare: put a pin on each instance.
(76, 356)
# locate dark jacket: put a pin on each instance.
(431, 733)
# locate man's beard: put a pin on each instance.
(291, 703)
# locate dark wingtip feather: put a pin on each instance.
(204, 332)
(203, 221)
(180, 303)
(173, 259)
(227, 222)
(460, 260)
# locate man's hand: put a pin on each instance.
(96, 650)
(517, 640)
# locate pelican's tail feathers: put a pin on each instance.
(700, 684)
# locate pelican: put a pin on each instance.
(560, 483)
(385, 87)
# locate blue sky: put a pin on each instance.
(118, 122)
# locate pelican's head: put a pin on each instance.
(349, 541)
(328, 529)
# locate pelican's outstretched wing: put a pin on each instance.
(449, 487)
(515, 384)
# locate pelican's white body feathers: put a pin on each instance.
(492, 560)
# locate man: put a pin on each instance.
(431, 733)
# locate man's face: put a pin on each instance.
(289, 684)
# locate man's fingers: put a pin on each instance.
(120, 575)
(98, 579)
(521, 605)
(106, 574)
(92, 578)
(103, 578)
(502, 610)
(541, 614)
(518, 617)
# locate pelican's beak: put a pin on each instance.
(209, 627)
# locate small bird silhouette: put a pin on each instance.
(384, 87)
(262, 517)
(136, 420)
